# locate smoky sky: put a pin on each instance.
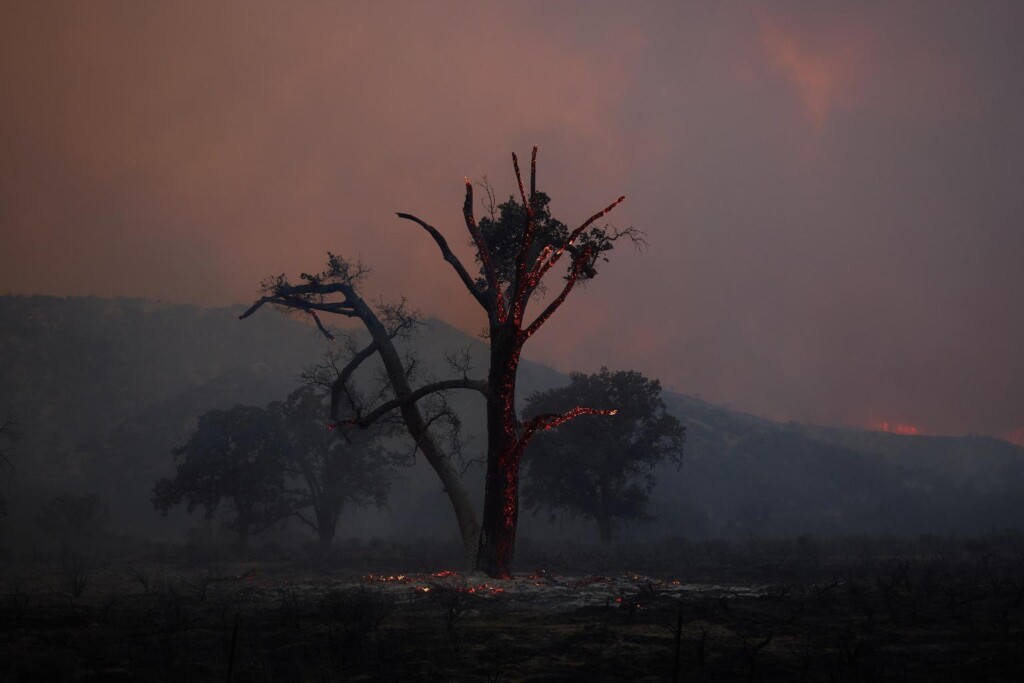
(831, 192)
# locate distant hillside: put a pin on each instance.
(747, 475)
(104, 388)
(78, 372)
(84, 364)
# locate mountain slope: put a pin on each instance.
(104, 388)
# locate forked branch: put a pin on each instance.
(520, 286)
(414, 396)
(340, 385)
(497, 299)
(542, 267)
(579, 263)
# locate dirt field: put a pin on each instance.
(854, 610)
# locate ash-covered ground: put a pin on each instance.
(842, 609)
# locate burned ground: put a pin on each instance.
(846, 609)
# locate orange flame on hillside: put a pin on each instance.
(895, 428)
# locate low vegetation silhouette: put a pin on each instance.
(269, 464)
(73, 519)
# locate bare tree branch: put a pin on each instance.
(461, 361)
(519, 282)
(320, 325)
(491, 276)
(302, 518)
(426, 390)
(533, 172)
(289, 301)
(451, 258)
(439, 409)
(398, 319)
(490, 203)
(519, 180)
(577, 267)
(540, 268)
(340, 385)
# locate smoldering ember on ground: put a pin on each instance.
(473, 342)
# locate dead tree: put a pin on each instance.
(340, 279)
(504, 292)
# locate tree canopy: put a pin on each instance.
(235, 456)
(331, 469)
(601, 469)
(503, 229)
(270, 463)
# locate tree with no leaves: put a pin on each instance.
(602, 469)
(514, 256)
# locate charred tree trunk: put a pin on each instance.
(505, 301)
(501, 493)
(465, 516)
(326, 526)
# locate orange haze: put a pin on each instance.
(831, 191)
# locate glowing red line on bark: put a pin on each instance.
(575, 234)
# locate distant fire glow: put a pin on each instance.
(896, 428)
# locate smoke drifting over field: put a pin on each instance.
(830, 191)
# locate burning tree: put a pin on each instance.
(516, 250)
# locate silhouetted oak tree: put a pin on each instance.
(515, 256)
(330, 473)
(235, 455)
(601, 469)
